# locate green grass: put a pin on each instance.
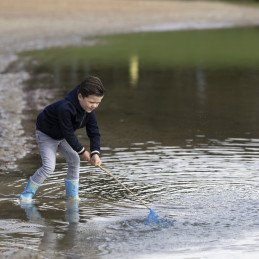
(245, 2)
(162, 50)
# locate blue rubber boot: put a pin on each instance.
(72, 189)
(29, 191)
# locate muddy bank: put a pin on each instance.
(33, 24)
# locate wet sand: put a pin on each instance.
(36, 24)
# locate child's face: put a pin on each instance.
(89, 103)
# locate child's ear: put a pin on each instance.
(80, 97)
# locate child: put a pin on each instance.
(55, 129)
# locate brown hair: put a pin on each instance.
(92, 85)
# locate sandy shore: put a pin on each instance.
(37, 24)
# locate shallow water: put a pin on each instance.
(206, 196)
(185, 140)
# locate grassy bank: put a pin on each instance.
(161, 50)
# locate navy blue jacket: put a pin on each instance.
(61, 119)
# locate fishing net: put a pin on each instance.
(152, 218)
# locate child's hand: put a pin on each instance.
(96, 160)
(86, 156)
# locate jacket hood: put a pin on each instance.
(73, 98)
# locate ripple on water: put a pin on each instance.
(206, 194)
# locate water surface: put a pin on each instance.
(182, 134)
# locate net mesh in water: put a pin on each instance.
(152, 218)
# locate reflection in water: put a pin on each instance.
(72, 213)
(31, 211)
(134, 70)
(57, 73)
(50, 240)
(74, 71)
(201, 85)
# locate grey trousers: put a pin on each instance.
(48, 148)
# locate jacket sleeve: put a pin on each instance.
(66, 126)
(93, 133)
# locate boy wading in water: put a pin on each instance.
(55, 129)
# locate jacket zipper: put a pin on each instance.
(82, 120)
